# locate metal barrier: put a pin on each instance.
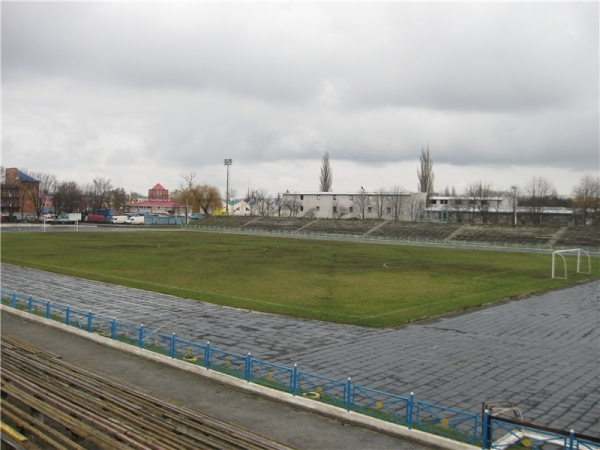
(499, 434)
(457, 425)
(447, 422)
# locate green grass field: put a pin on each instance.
(364, 284)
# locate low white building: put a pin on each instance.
(352, 205)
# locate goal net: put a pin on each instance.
(562, 274)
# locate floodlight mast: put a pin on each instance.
(228, 163)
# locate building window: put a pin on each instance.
(443, 202)
(302, 208)
(334, 197)
(433, 202)
(302, 197)
(318, 197)
(351, 197)
(369, 209)
(350, 209)
(318, 209)
(389, 210)
(334, 209)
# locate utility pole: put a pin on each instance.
(228, 163)
(514, 188)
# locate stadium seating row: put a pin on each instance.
(588, 237)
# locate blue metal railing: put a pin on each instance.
(454, 424)
(499, 434)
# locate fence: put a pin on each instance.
(435, 419)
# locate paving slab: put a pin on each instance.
(540, 352)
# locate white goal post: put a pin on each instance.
(574, 250)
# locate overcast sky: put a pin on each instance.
(143, 92)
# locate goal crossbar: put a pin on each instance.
(573, 250)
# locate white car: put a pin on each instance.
(136, 220)
(118, 219)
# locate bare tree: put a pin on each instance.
(538, 189)
(326, 175)
(397, 194)
(119, 198)
(292, 204)
(415, 204)
(338, 210)
(98, 193)
(381, 201)
(362, 202)
(479, 197)
(185, 199)
(425, 174)
(587, 193)
(265, 203)
(67, 197)
(39, 195)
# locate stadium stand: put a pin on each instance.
(416, 230)
(566, 237)
(279, 223)
(526, 235)
(579, 237)
(341, 226)
(226, 221)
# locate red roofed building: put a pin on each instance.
(158, 203)
(158, 193)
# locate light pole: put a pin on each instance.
(514, 188)
(228, 163)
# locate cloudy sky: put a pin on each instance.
(144, 92)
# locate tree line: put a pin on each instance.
(70, 196)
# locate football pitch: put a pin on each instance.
(346, 282)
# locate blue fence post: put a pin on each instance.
(47, 309)
(207, 355)
(571, 439)
(348, 394)
(141, 337)
(68, 316)
(484, 431)
(113, 329)
(89, 324)
(30, 304)
(14, 300)
(248, 369)
(173, 346)
(294, 380)
(409, 411)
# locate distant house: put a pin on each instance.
(16, 192)
(238, 207)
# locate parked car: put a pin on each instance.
(118, 219)
(136, 220)
(96, 218)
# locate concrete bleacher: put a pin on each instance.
(341, 226)
(584, 237)
(579, 237)
(226, 221)
(525, 235)
(416, 230)
(278, 223)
